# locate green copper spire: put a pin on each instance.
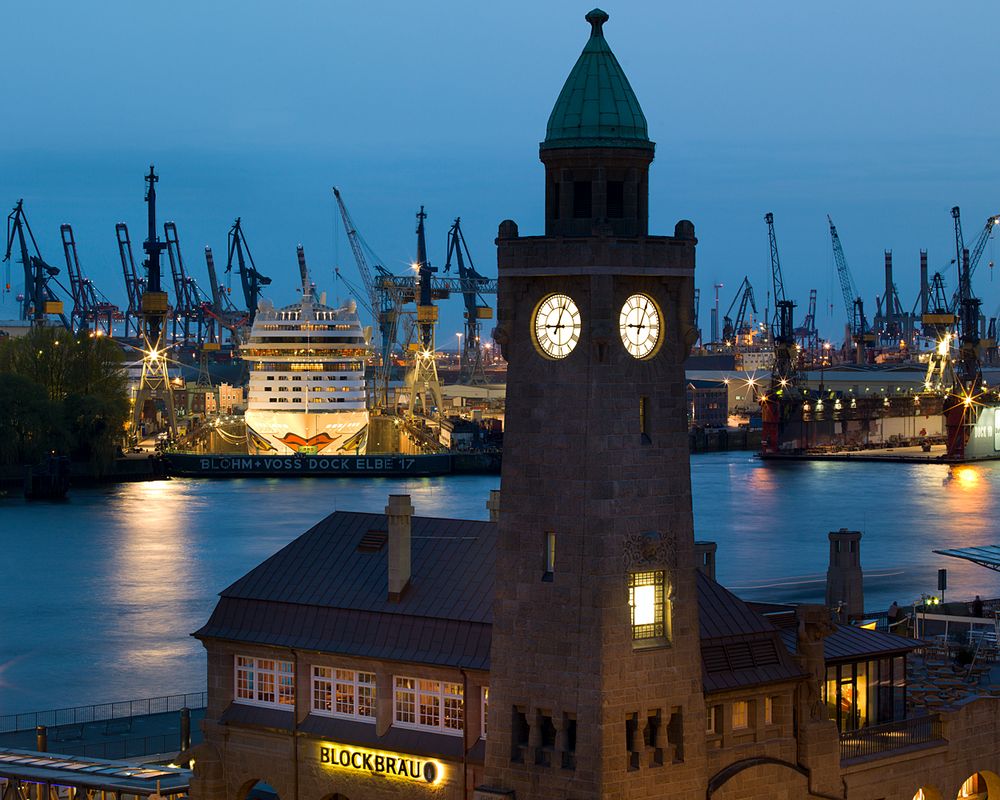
(597, 107)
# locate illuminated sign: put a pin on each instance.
(377, 762)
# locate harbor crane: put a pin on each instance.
(737, 331)
(861, 337)
(133, 283)
(223, 311)
(252, 280)
(188, 297)
(381, 301)
(154, 382)
(781, 323)
(39, 300)
(90, 306)
(471, 372)
(807, 334)
(386, 297)
(422, 382)
(975, 254)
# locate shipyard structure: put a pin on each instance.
(576, 645)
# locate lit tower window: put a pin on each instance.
(647, 606)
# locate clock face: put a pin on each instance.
(556, 326)
(640, 326)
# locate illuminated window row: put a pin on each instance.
(418, 703)
(428, 705)
(265, 681)
(343, 693)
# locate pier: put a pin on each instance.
(154, 728)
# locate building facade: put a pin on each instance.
(575, 646)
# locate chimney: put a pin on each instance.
(399, 513)
(704, 554)
(844, 579)
(493, 504)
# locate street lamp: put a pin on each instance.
(459, 351)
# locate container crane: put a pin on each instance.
(251, 279)
(89, 305)
(471, 370)
(133, 283)
(39, 300)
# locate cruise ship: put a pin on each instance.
(307, 379)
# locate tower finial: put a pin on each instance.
(596, 18)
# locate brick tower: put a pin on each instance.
(595, 679)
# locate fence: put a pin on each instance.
(876, 739)
(101, 712)
(121, 749)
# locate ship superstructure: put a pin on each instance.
(307, 379)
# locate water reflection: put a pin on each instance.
(120, 577)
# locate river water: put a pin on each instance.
(101, 593)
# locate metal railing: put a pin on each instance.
(121, 749)
(876, 739)
(102, 711)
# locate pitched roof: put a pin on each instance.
(597, 107)
(847, 642)
(739, 648)
(328, 591)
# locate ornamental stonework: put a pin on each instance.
(649, 549)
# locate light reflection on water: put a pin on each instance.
(101, 593)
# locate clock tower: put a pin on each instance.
(595, 679)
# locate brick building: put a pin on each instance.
(577, 645)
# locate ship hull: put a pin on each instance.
(270, 466)
(290, 433)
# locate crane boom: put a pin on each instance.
(847, 286)
(354, 238)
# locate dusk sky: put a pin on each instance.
(880, 114)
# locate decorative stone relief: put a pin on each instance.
(648, 549)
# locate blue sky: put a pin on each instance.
(880, 114)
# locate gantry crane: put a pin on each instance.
(39, 300)
(90, 306)
(133, 283)
(252, 280)
(471, 370)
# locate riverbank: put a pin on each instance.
(122, 470)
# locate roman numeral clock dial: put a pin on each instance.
(640, 326)
(556, 326)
